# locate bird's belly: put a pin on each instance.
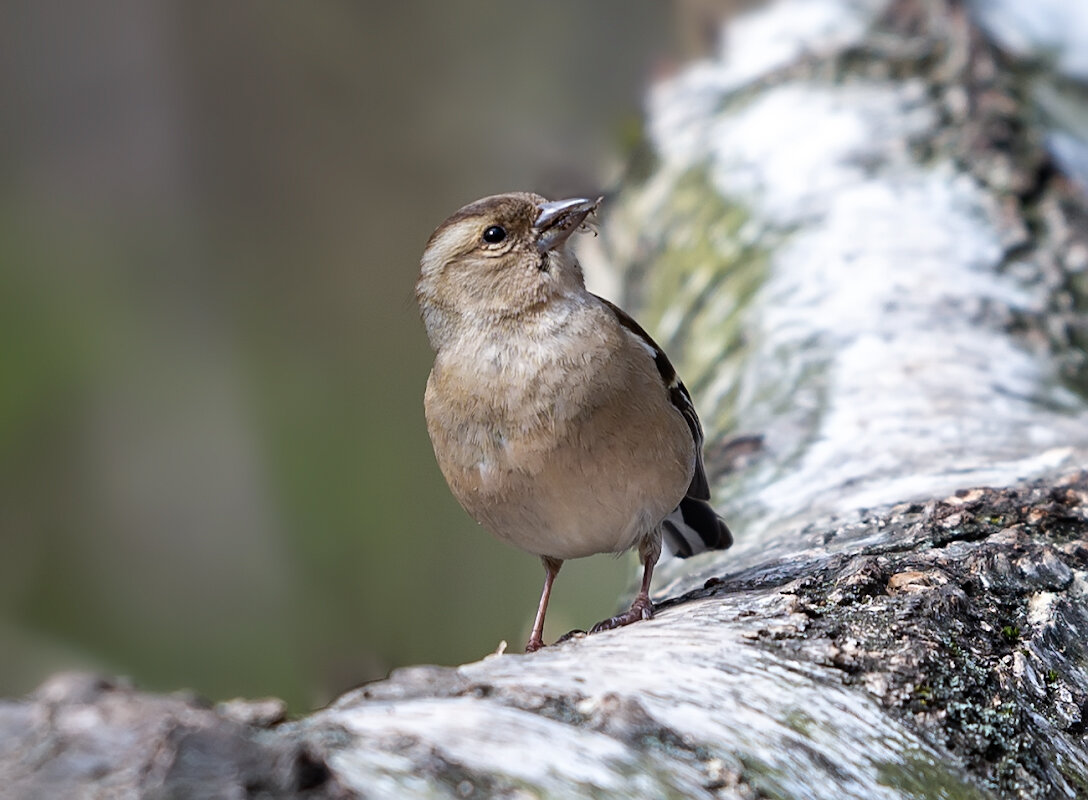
(573, 525)
(596, 490)
(563, 457)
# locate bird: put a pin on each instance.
(558, 423)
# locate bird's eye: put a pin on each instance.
(494, 234)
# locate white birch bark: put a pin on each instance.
(862, 241)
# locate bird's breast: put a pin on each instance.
(502, 410)
(552, 445)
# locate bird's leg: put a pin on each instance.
(649, 550)
(536, 638)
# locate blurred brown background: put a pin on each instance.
(214, 471)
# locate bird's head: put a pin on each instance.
(497, 259)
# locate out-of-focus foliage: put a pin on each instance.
(214, 470)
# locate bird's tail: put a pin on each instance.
(694, 527)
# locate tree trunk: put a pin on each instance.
(861, 234)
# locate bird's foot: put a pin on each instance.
(642, 608)
(533, 645)
(566, 637)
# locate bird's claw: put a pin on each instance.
(566, 637)
(639, 610)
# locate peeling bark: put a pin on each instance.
(856, 236)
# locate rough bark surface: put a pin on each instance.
(865, 246)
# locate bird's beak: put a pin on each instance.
(558, 219)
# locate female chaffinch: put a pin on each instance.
(557, 421)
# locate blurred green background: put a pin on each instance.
(214, 470)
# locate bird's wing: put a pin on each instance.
(678, 394)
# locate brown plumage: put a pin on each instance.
(558, 423)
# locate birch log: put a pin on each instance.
(860, 231)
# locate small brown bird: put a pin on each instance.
(558, 423)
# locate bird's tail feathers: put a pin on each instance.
(693, 528)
